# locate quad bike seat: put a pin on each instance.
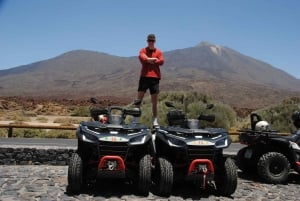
(115, 119)
(177, 118)
(254, 118)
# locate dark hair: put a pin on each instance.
(151, 37)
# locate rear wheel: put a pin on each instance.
(75, 173)
(273, 167)
(226, 177)
(165, 177)
(144, 177)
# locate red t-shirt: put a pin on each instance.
(151, 70)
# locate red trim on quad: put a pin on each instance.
(298, 163)
(208, 170)
(193, 165)
(103, 163)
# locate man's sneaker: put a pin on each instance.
(155, 125)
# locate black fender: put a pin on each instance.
(280, 145)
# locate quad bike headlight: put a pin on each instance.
(86, 135)
(138, 140)
(89, 137)
(222, 143)
(175, 142)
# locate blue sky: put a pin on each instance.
(34, 30)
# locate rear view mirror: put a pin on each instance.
(169, 104)
(137, 102)
(209, 106)
(136, 112)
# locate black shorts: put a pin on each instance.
(149, 83)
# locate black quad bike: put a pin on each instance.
(184, 152)
(109, 148)
(268, 153)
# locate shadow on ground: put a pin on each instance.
(126, 190)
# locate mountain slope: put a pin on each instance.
(70, 73)
(218, 71)
(225, 63)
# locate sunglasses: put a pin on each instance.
(151, 41)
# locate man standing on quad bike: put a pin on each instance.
(151, 59)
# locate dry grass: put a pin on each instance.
(29, 114)
(39, 133)
(67, 134)
(20, 123)
(42, 119)
(3, 132)
(14, 116)
(70, 120)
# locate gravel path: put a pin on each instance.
(50, 183)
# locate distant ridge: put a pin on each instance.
(221, 72)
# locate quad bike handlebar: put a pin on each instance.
(204, 117)
(109, 111)
(207, 117)
(178, 117)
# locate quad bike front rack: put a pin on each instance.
(111, 166)
(203, 167)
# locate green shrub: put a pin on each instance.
(42, 133)
(28, 133)
(33, 133)
(192, 102)
(67, 121)
(42, 119)
(225, 116)
(56, 133)
(81, 111)
(278, 116)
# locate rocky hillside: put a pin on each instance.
(223, 73)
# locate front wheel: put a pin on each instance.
(165, 177)
(75, 173)
(273, 167)
(226, 177)
(144, 177)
